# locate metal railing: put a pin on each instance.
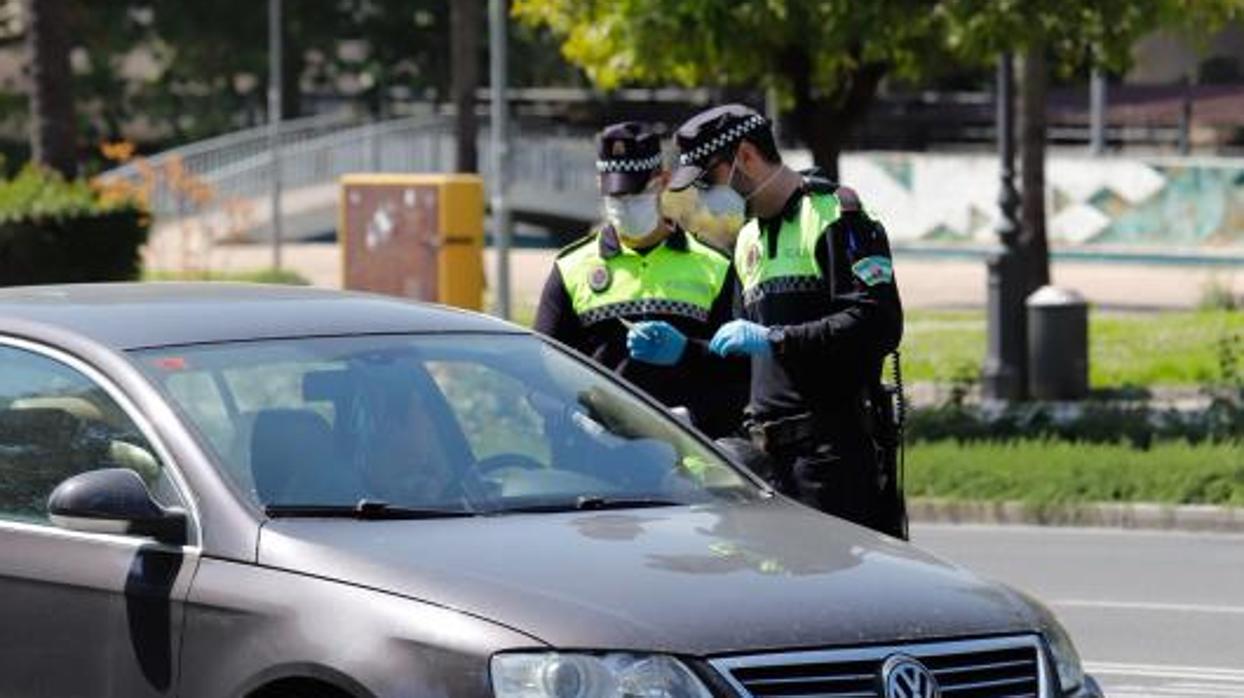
(545, 163)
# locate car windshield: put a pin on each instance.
(413, 425)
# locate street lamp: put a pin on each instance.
(274, 123)
(499, 145)
(1004, 376)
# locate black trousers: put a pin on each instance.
(837, 474)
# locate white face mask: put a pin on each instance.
(723, 200)
(633, 217)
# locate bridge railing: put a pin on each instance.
(546, 163)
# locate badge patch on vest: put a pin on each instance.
(751, 258)
(598, 278)
(874, 270)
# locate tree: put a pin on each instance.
(1066, 36)
(53, 122)
(826, 57)
(465, 23)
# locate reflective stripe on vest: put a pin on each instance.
(663, 282)
(794, 269)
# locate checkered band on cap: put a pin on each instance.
(628, 165)
(722, 140)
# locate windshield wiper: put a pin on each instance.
(366, 509)
(588, 503)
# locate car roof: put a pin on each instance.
(136, 315)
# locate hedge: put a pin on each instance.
(58, 231)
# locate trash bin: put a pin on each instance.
(1057, 344)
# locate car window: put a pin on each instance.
(56, 423)
(493, 410)
(486, 422)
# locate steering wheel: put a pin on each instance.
(498, 461)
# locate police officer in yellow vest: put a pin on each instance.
(641, 296)
(820, 312)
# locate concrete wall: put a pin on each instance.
(1157, 205)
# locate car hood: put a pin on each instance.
(691, 580)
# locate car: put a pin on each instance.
(233, 490)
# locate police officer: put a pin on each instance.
(820, 312)
(641, 296)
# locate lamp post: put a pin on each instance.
(1004, 375)
(1097, 111)
(499, 145)
(274, 123)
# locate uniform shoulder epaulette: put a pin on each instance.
(590, 237)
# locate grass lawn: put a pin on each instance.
(257, 276)
(1169, 348)
(1040, 472)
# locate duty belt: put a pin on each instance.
(783, 434)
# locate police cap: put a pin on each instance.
(709, 133)
(627, 155)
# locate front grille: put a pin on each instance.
(992, 668)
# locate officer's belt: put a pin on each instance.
(785, 433)
(795, 431)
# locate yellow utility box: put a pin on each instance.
(414, 235)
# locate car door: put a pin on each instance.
(81, 614)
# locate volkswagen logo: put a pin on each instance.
(904, 677)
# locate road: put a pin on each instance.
(1153, 613)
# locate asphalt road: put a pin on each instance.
(1153, 613)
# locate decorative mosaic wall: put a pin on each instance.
(1150, 205)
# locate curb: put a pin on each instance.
(1141, 516)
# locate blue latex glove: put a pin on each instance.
(740, 337)
(655, 343)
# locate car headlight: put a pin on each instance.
(617, 675)
(1063, 652)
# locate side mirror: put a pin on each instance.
(114, 500)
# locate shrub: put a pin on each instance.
(58, 231)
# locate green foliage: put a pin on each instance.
(1045, 472)
(750, 42)
(1133, 424)
(1076, 32)
(746, 42)
(204, 65)
(37, 193)
(57, 231)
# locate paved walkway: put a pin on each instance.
(925, 282)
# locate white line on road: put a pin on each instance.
(1143, 606)
(1161, 671)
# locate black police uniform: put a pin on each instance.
(819, 276)
(598, 282)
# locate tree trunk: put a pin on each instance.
(824, 124)
(293, 63)
(465, 28)
(53, 124)
(1033, 243)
